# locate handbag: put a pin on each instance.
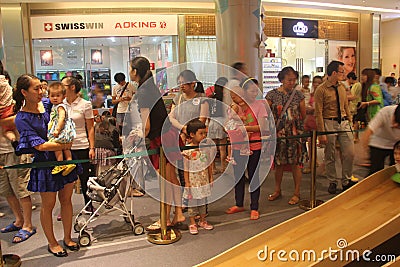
(115, 108)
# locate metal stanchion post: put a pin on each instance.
(313, 202)
(165, 236)
(9, 260)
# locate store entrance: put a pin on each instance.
(97, 60)
(307, 56)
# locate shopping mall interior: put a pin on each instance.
(53, 39)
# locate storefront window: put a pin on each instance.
(97, 60)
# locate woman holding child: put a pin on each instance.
(32, 124)
(252, 111)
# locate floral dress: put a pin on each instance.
(68, 133)
(198, 162)
(288, 151)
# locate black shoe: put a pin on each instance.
(332, 188)
(349, 184)
(58, 254)
(75, 247)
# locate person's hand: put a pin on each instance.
(323, 140)
(363, 105)
(56, 133)
(92, 153)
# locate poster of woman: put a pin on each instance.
(346, 52)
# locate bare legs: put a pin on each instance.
(296, 171)
(23, 217)
(46, 218)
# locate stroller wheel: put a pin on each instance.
(84, 239)
(138, 229)
(77, 228)
(126, 218)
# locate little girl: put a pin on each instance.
(61, 127)
(198, 176)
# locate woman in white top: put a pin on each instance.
(81, 112)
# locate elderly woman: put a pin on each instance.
(289, 110)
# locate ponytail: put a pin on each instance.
(147, 76)
(23, 83)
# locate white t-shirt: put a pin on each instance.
(79, 111)
(129, 91)
(384, 135)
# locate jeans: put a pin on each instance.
(252, 164)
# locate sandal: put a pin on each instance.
(205, 225)
(10, 228)
(193, 229)
(294, 200)
(23, 235)
(274, 196)
(254, 215)
(154, 226)
(234, 209)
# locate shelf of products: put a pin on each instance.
(57, 75)
(271, 66)
(101, 77)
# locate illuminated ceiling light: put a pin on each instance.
(112, 39)
(332, 5)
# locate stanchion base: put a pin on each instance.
(305, 204)
(11, 260)
(172, 236)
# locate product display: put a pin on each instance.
(271, 67)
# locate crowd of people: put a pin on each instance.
(54, 123)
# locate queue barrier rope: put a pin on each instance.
(167, 150)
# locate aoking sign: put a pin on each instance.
(103, 25)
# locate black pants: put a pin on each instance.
(377, 157)
(84, 177)
(252, 164)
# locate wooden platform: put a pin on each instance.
(361, 218)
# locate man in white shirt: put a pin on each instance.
(380, 136)
(122, 94)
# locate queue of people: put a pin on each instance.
(68, 131)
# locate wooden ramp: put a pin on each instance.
(356, 220)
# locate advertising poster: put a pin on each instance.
(46, 57)
(344, 51)
(134, 52)
(96, 56)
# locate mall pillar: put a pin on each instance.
(15, 40)
(365, 41)
(238, 33)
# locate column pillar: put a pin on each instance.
(365, 41)
(238, 31)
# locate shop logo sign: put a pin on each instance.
(300, 28)
(139, 25)
(48, 27)
(163, 24)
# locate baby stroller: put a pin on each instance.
(110, 190)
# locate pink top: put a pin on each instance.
(257, 110)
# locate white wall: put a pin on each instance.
(390, 53)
